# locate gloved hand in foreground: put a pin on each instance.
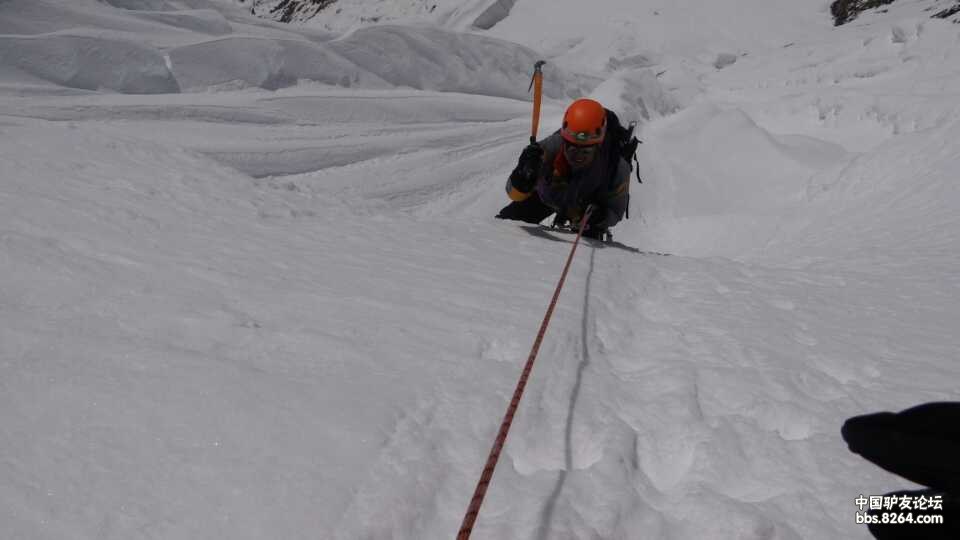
(524, 177)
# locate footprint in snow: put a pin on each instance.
(782, 303)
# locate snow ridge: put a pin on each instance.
(213, 53)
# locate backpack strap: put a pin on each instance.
(628, 150)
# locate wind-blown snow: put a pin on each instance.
(88, 63)
(234, 312)
(197, 50)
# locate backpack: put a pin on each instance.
(621, 143)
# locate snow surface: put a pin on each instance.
(250, 286)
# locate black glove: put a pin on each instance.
(525, 176)
(597, 224)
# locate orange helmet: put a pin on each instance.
(584, 123)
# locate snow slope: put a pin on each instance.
(242, 298)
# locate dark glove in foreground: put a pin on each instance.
(525, 176)
(921, 444)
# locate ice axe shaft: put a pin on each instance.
(536, 83)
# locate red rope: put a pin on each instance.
(474, 509)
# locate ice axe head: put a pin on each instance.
(537, 70)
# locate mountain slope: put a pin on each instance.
(247, 313)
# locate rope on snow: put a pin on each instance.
(474, 509)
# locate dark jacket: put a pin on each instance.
(604, 183)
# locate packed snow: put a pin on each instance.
(251, 287)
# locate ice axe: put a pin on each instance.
(536, 83)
